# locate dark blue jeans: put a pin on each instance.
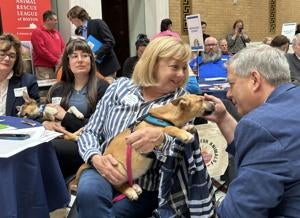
(95, 194)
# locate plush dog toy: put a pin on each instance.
(175, 115)
(31, 109)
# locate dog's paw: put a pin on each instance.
(187, 138)
(131, 194)
(137, 189)
(79, 115)
(76, 112)
(190, 128)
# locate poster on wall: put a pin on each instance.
(20, 17)
(195, 32)
(288, 30)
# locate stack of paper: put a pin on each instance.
(38, 135)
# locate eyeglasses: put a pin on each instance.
(11, 56)
(83, 56)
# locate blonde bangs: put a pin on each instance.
(166, 47)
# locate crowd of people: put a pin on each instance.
(263, 86)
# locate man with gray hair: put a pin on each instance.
(294, 60)
(211, 63)
(265, 142)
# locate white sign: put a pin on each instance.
(288, 30)
(195, 32)
(38, 135)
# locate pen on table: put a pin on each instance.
(28, 122)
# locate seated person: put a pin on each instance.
(294, 59)
(281, 42)
(13, 81)
(158, 78)
(210, 63)
(267, 40)
(140, 45)
(192, 85)
(223, 45)
(78, 87)
(297, 29)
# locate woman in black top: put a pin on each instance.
(78, 87)
(129, 64)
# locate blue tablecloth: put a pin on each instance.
(31, 183)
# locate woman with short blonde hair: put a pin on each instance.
(166, 47)
(157, 80)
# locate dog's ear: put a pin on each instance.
(26, 97)
(181, 102)
(18, 108)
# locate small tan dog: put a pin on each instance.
(178, 113)
(31, 109)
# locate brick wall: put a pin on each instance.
(221, 14)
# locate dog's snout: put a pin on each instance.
(209, 107)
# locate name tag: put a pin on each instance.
(19, 91)
(56, 100)
(131, 99)
(156, 105)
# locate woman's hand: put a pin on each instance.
(61, 112)
(54, 126)
(144, 140)
(107, 166)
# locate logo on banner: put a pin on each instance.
(20, 17)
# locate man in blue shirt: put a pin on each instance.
(211, 62)
(265, 142)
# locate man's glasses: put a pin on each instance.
(11, 56)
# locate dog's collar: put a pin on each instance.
(156, 121)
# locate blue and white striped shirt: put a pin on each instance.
(121, 106)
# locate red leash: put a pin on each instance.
(129, 172)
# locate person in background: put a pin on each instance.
(267, 40)
(166, 29)
(13, 81)
(281, 42)
(106, 59)
(238, 38)
(266, 152)
(77, 87)
(297, 29)
(157, 79)
(204, 26)
(192, 85)
(48, 46)
(210, 63)
(224, 49)
(140, 45)
(294, 59)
